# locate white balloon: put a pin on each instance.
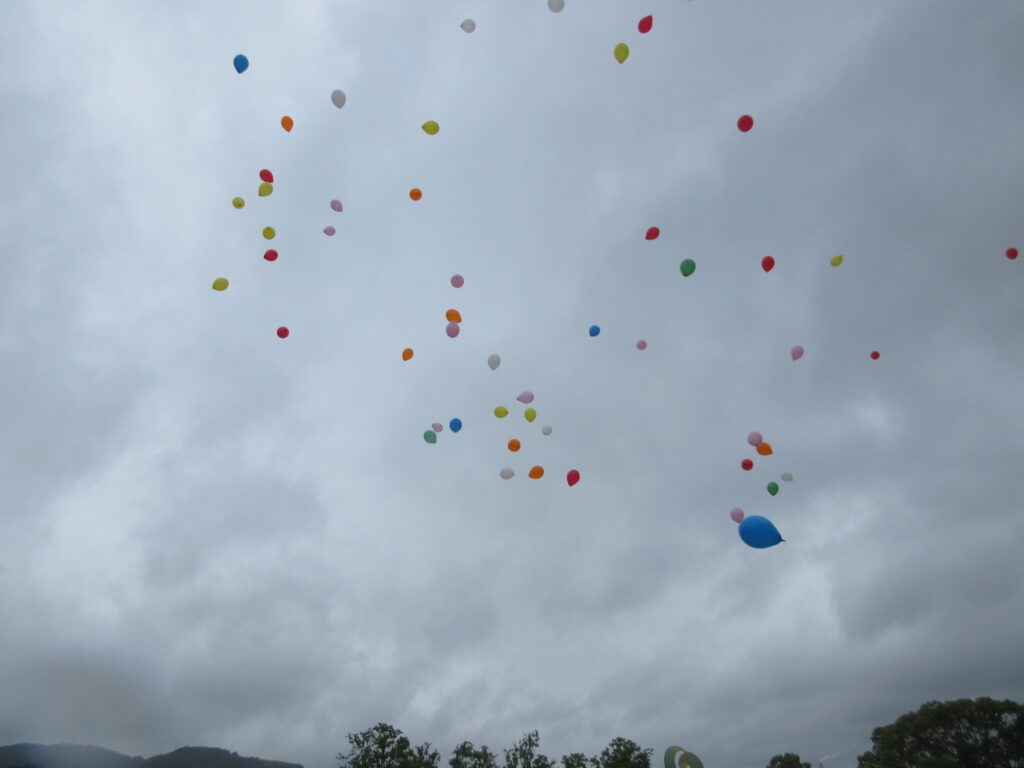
(506, 473)
(468, 25)
(786, 476)
(546, 430)
(556, 5)
(494, 361)
(338, 99)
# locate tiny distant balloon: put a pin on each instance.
(437, 426)
(241, 63)
(875, 355)
(747, 464)
(287, 123)
(455, 425)
(493, 362)
(238, 202)
(652, 233)
(765, 449)
(688, 267)
(430, 127)
(329, 231)
(468, 25)
(745, 123)
(338, 98)
(266, 176)
(767, 263)
(1011, 253)
(836, 260)
(755, 439)
(269, 233)
(786, 477)
(452, 329)
(265, 189)
(736, 514)
(537, 472)
(282, 332)
(594, 330)
(573, 477)
(796, 352)
(506, 473)
(759, 532)
(556, 6)
(407, 353)
(430, 436)
(621, 52)
(220, 284)
(514, 445)
(458, 281)
(641, 344)
(525, 397)
(453, 316)
(415, 193)
(501, 411)
(645, 24)
(530, 414)
(270, 255)
(546, 431)
(336, 205)
(773, 487)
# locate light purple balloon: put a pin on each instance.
(437, 427)
(755, 439)
(452, 330)
(336, 205)
(457, 281)
(525, 397)
(641, 344)
(736, 515)
(796, 352)
(329, 231)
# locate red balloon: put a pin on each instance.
(747, 464)
(767, 263)
(282, 332)
(1011, 253)
(573, 477)
(645, 24)
(270, 255)
(267, 176)
(745, 123)
(652, 233)
(875, 355)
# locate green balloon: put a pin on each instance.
(773, 488)
(687, 267)
(430, 436)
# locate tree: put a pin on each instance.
(951, 734)
(384, 746)
(465, 756)
(788, 760)
(522, 755)
(623, 753)
(578, 760)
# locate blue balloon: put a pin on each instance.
(759, 532)
(455, 425)
(594, 330)
(241, 63)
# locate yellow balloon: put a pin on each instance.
(431, 127)
(837, 260)
(268, 233)
(530, 414)
(621, 52)
(501, 411)
(220, 284)
(238, 202)
(266, 188)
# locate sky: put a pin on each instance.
(213, 536)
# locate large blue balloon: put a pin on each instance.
(241, 63)
(594, 330)
(455, 425)
(759, 532)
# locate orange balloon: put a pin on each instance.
(407, 354)
(537, 472)
(287, 123)
(453, 315)
(765, 449)
(514, 445)
(415, 193)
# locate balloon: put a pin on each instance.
(755, 439)
(747, 464)
(265, 189)
(796, 352)
(573, 477)
(767, 263)
(652, 233)
(282, 332)
(641, 344)
(452, 330)
(736, 515)
(287, 123)
(336, 205)
(765, 449)
(688, 267)
(530, 414)
(270, 255)
(329, 231)
(501, 411)
(268, 233)
(468, 25)
(493, 362)
(556, 5)
(453, 315)
(645, 24)
(514, 445)
(407, 353)
(455, 425)
(338, 98)
(415, 193)
(430, 127)
(745, 123)
(266, 176)
(773, 487)
(1011, 253)
(437, 426)
(525, 397)
(238, 202)
(537, 472)
(621, 52)
(458, 281)
(506, 473)
(220, 284)
(430, 436)
(786, 477)
(546, 430)
(594, 330)
(759, 533)
(686, 759)
(241, 63)
(835, 261)
(875, 355)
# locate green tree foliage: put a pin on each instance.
(465, 756)
(952, 734)
(788, 760)
(578, 760)
(623, 753)
(523, 754)
(384, 746)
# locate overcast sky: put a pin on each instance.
(213, 536)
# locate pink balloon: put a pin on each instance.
(329, 231)
(336, 205)
(452, 330)
(755, 439)
(796, 352)
(736, 515)
(641, 344)
(525, 397)
(457, 281)
(437, 427)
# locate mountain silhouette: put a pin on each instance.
(79, 756)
